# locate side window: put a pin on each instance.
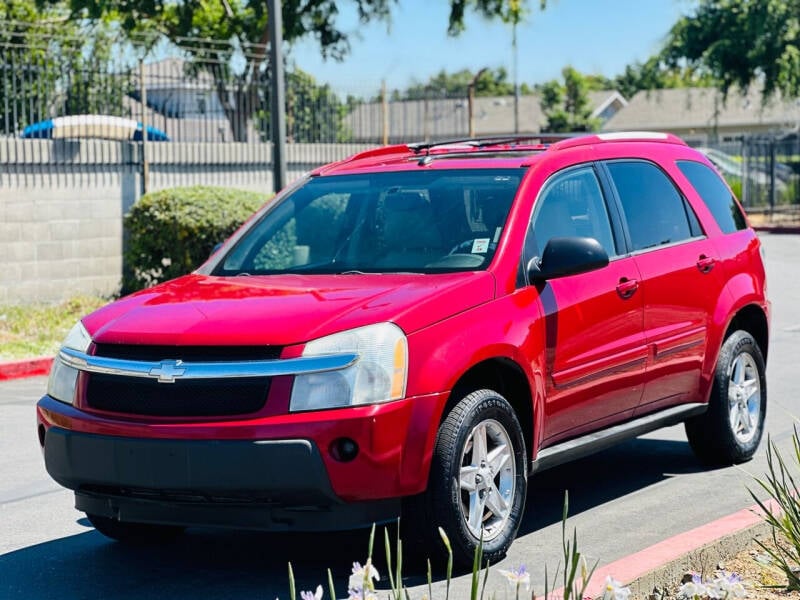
(571, 204)
(654, 210)
(715, 194)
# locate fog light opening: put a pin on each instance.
(41, 432)
(343, 449)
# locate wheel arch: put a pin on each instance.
(753, 320)
(505, 377)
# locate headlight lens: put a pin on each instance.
(379, 374)
(63, 379)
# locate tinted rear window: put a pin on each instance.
(715, 194)
(653, 208)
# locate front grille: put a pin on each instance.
(187, 353)
(191, 398)
(183, 398)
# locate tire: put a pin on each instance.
(135, 533)
(468, 496)
(730, 431)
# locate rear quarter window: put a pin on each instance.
(715, 194)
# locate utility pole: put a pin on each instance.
(471, 102)
(277, 94)
(145, 156)
(516, 78)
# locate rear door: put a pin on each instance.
(595, 347)
(680, 279)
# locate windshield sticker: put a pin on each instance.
(497, 233)
(480, 246)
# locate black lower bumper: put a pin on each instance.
(260, 484)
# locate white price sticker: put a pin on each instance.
(480, 246)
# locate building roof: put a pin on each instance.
(448, 117)
(702, 108)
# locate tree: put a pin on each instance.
(566, 104)
(511, 12)
(229, 38)
(741, 43)
(656, 73)
(490, 82)
(313, 112)
(50, 66)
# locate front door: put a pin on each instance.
(595, 345)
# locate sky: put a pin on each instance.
(594, 36)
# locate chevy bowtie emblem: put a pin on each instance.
(167, 371)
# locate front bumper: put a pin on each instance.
(258, 484)
(267, 471)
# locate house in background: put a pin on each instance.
(702, 116)
(184, 105)
(415, 120)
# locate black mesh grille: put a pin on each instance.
(191, 398)
(183, 398)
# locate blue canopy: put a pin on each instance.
(92, 126)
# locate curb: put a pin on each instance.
(32, 367)
(662, 565)
(794, 229)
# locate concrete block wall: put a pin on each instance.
(62, 203)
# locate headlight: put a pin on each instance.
(379, 374)
(63, 379)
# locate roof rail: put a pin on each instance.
(620, 136)
(498, 140)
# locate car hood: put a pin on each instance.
(282, 309)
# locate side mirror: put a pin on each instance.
(564, 256)
(217, 246)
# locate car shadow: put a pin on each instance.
(207, 563)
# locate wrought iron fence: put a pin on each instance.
(194, 90)
(763, 170)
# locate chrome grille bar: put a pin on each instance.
(167, 371)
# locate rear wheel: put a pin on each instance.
(137, 533)
(478, 479)
(731, 429)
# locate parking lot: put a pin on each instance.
(621, 500)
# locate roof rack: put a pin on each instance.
(483, 142)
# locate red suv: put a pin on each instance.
(420, 328)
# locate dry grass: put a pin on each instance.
(28, 331)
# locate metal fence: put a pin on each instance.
(763, 171)
(191, 90)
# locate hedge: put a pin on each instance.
(172, 232)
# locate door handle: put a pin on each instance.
(705, 263)
(627, 288)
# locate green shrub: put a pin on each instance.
(172, 232)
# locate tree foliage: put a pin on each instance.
(508, 11)
(229, 38)
(51, 66)
(742, 43)
(565, 103)
(656, 73)
(489, 82)
(314, 113)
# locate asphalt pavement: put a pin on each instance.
(622, 501)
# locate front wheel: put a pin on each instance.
(478, 477)
(730, 431)
(136, 533)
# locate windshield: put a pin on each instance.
(407, 221)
